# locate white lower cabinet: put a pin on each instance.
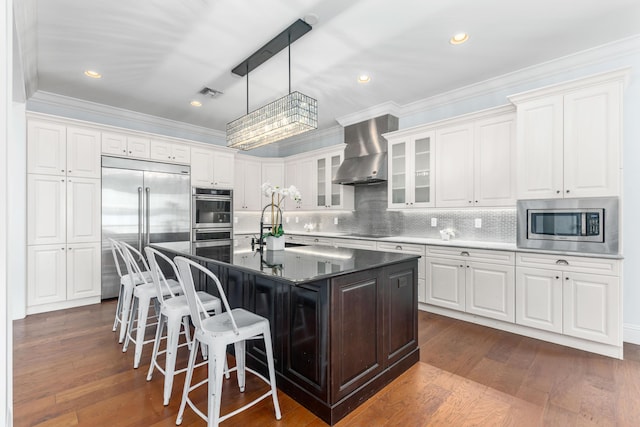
(61, 273)
(575, 296)
(475, 281)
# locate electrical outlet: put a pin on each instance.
(286, 220)
(297, 220)
(434, 222)
(478, 223)
(235, 219)
(335, 221)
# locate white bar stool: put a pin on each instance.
(125, 294)
(217, 332)
(174, 312)
(143, 294)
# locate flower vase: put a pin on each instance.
(275, 243)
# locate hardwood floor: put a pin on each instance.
(70, 370)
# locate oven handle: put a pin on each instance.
(212, 243)
(212, 198)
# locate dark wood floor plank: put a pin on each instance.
(70, 370)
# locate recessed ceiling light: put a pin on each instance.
(93, 74)
(364, 78)
(459, 38)
(196, 103)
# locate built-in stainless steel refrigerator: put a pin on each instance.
(142, 202)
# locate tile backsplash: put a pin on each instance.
(372, 217)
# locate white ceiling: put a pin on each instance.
(155, 55)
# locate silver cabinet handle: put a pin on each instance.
(464, 253)
(398, 247)
(148, 218)
(562, 262)
(140, 219)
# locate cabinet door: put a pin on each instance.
(591, 307)
(138, 147)
(181, 153)
(490, 290)
(201, 167)
(160, 150)
(83, 270)
(247, 194)
(83, 153)
(83, 210)
(322, 198)
(422, 170)
(274, 174)
(592, 123)
(46, 148)
(223, 170)
(446, 283)
(454, 174)
(46, 209)
(46, 275)
(539, 298)
(495, 161)
(114, 143)
(399, 175)
(298, 173)
(539, 149)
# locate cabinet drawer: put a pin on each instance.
(476, 255)
(355, 244)
(609, 267)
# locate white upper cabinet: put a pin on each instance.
(273, 173)
(55, 149)
(411, 167)
(454, 166)
(83, 153)
(329, 195)
(170, 151)
(569, 139)
(247, 194)
(475, 162)
(126, 145)
(297, 172)
(494, 161)
(211, 168)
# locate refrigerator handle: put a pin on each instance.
(140, 219)
(147, 219)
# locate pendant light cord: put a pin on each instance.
(289, 35)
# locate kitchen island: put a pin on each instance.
(343, 321)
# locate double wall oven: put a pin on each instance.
(212, 223)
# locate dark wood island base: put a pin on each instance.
(338, 337)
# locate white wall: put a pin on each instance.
(6, 336)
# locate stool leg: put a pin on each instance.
(216, 370)
(240, 348)
(272, 371)
(187, 380)
(118, 317)
(143, 312)
(129, 325)
(173, 334)
(127, 296)
(156, 345)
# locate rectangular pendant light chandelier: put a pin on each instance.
(288, 116)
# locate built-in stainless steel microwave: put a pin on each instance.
(569, 225)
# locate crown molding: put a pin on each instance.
(43, 101)
(388, 107)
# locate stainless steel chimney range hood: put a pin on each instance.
(365, 156)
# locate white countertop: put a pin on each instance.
(475, 244)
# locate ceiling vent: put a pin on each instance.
(213, 93)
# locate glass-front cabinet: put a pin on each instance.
(411, 167)
(328, 194)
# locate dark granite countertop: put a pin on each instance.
(294, 264)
